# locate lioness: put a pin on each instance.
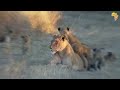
(80, 48)
(64, 53)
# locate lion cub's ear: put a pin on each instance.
(59, 29)
(55, 35)
(68, 29)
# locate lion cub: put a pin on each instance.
(64, 53)
(81, 49)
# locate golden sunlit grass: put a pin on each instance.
(45, 21)
(115, 15)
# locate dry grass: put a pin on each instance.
(45, 21)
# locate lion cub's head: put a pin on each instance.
(58, 43)
(64, 31)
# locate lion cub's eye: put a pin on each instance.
(59, 29)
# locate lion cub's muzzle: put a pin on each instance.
(52, 51)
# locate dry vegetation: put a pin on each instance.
(20, 22)
(46, 21)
